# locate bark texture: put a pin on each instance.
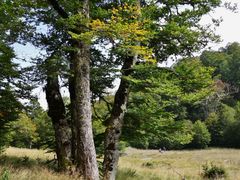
(56, 110)
(115, 122)
(81, 104)
(86, 154)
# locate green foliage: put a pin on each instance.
(180, 32)
(148, 125)
(158, 106)
(213, 171)
(30, 130)
(44, 128)
(232, 135)
(101, 111)
(126, 29)
(9, 103)
(226, 62)
(201, 136)
(5, 138)
(5, 175)
(23, 132)
(217, 124)
(195, 79)
(12, 78)
(122, 145)
(223, 122)
(231, 132)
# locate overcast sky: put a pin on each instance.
(229, 30)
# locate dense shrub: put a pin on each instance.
(232, 135)
(23, 132)
(217, 123)
(213, 172)
(201, 137)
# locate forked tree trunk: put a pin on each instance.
(115, 122)
(56, 111)
(82, 113)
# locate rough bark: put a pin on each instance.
(86, 154)
(115, 122)
(81, 104)
(56, 111)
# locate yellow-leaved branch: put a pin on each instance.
(125, 29)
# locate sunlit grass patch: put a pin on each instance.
(29, 164)
(180, 164)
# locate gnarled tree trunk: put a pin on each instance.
(115, 122)
(56, 110)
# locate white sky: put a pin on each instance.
(229, 30)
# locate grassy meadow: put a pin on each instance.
(25, 164)
(177, 165)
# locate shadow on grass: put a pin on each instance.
(26, 162)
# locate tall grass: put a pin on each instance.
(29, 164)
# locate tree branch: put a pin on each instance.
(58, 8)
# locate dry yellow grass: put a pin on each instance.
(31, 153)
(138, 164)
(29, 164)
(151, 164)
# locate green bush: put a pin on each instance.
(213, 171)
(232, 135)
(122, 146)
(218, 122)
(201, 137)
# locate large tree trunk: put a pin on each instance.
(86, 154)
(115, 122)
(61, 127)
